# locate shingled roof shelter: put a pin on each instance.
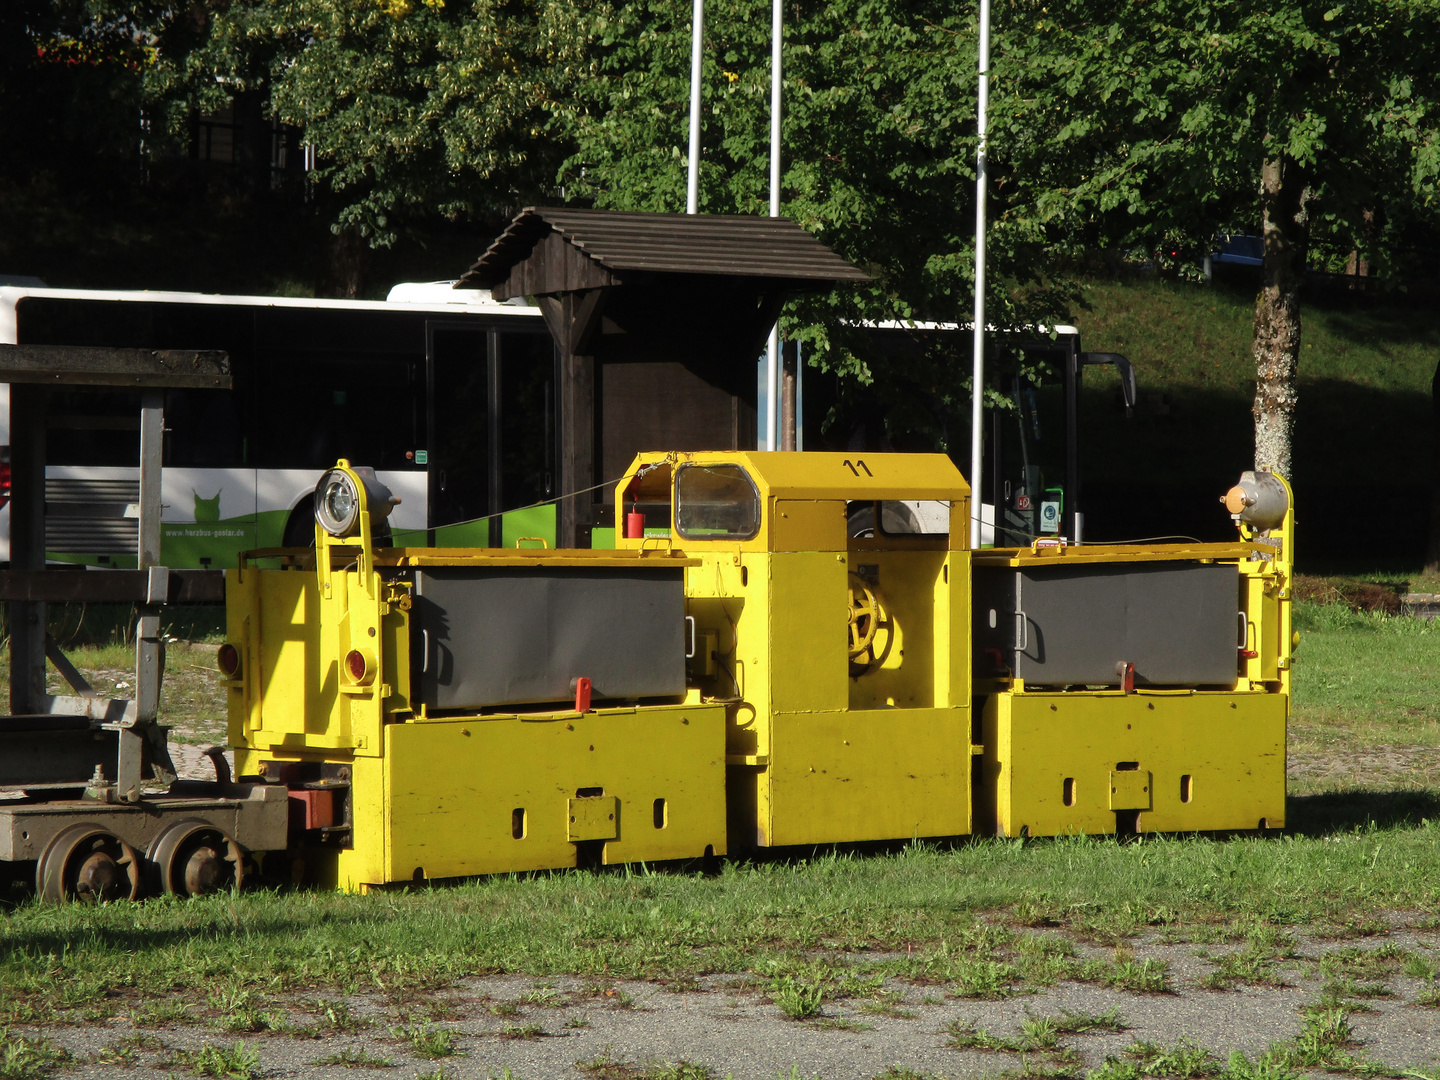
(659, 319)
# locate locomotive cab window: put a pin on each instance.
(716, 502)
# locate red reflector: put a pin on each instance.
(4, 482)
(355, 664)
(228, 660)
(312, 809)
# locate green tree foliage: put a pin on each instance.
(69, 87)
(1315, 121)
(442, 107)
(878, 155)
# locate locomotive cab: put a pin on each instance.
(840, 660)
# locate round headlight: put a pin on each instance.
(337, 503)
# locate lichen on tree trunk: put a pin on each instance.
(1284, 197)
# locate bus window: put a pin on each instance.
(459, 449)
(203, 429)
(527, 423)
(313, 408)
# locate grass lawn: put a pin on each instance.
(1362, 840)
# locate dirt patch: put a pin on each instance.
(1357, 595)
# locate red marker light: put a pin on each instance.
(227, 659)
(356, 665)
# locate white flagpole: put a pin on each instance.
(697, 35)
(772, 348)
(977, 397)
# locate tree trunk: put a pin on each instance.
(1285, 192)
(1432, 549)
(343, 273)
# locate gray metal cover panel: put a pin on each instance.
(511, 636)
(1179, 625)
(676, 243)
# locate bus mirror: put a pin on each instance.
(339, 501)
(1125, 370)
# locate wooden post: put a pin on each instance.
(27, 544)
(787, 395)
(573, 319)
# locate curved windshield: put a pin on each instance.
(716, 502)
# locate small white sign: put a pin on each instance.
(1050, 517)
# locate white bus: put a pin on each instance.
(449, 395)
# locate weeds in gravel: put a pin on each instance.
(1417, 967)
(1249, 967)
(28, 1059)
(678, 1070)
(1323, 1042)
(238, 1062)
(154, 1014)
(355, 1057)
(126, 1052)
(603, 1066)
(1080, 1023)
(1429, 997)
(1138, 976)
(888, 1003)
(799, 999)
(427, 1040)
(521, 1032)
(337, 1016)
(964, 1035)
(985, 979)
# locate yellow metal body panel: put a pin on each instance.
(487, 794)
(827, 744)
(453, 789)
(1039, 748)
(872, 775)
(1129, 790)
(593, 818)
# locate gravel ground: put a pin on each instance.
(569, 1028)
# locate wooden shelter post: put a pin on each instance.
(27, 544)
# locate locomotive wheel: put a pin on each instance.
(88, 864)
(193, 858)
(864, 617)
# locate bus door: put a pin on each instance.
(492, 453)
(1033, 471)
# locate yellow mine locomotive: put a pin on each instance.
(743, 670)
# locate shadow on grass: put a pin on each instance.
(1343, 811)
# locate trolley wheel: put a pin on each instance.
(88, 864)
(193, 857)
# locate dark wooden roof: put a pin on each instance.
(611, 243)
